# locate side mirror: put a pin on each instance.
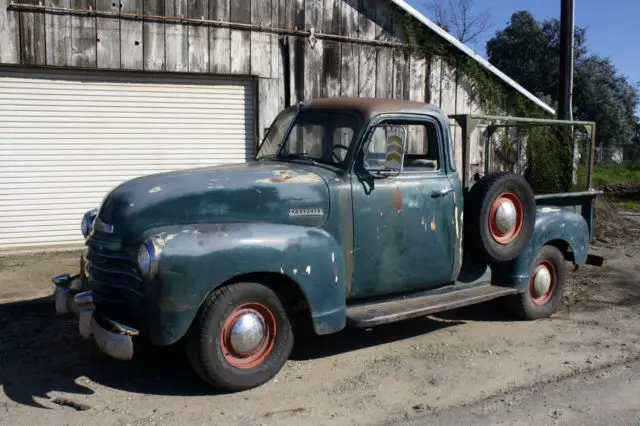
(384, 152)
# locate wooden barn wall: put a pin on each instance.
(321, 69)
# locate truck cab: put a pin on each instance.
(351, 215)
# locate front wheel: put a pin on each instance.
(547, 281)
(241, 338)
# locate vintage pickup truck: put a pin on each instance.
(353, 214)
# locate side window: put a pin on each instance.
(422, 148)
(421, 151)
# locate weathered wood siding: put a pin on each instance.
(324, 68)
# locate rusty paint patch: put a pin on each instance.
(289, 176)
(396, 199)
(433, 223)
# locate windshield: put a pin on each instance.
(316, 136)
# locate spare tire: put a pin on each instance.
(500, 213)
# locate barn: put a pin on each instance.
(95, 92)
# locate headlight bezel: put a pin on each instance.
(86, 224)
(148, 265)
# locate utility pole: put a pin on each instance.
(567, 14)
(569, 149)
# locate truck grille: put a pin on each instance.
(116, 284)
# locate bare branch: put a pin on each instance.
(460, 18)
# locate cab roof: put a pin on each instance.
(371, 107)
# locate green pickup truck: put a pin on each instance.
(353, 214)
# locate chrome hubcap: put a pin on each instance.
(541, 282)
(506, 217)
(247, 333)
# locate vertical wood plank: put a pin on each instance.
(131, 51)
(435, 81)
(108, 36)
(83, 36)
(384, 73)
(314, 11)
(298, 67)
(9, 34)
(367, 60)
(331, 59)
(268, 101)
(240, 11)
(260, 41)
(400, 74)
(198, 36)
(176, 37)
(153, 37)
(58, 35)
(350, 52)
(418, 77)
(219, 39)
(276, 57)
(384, 21)
(27, 38)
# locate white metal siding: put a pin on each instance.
(66, 139)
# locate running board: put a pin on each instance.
(377, 313)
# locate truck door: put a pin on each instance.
(403, 220)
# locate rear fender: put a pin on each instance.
(555, 226)
(197, 259)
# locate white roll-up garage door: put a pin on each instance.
(67, 138)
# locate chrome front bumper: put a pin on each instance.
(112, 338)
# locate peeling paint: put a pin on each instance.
(155, 189)
(289, 176)
(333, 257)
(295, 271)
(433, 223)
(281, 270)
(308, 270)
(396, 199)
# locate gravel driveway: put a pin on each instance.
(48, 375)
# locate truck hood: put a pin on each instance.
(251, 192)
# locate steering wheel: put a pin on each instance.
(335, 155)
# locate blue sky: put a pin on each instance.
(612, 26)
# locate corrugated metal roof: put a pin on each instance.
(457, 43)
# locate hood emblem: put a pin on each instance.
(306, 212)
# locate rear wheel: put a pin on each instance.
(241, 338)
(545, 289)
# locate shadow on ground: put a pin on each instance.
(41, 353)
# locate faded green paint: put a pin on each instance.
(336, 234)
(553, 225)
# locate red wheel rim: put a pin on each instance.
(258, 355)
(506, 236)
(542, 299)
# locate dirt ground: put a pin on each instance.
(48, 375)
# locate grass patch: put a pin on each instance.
(629, 205)
(607, 174)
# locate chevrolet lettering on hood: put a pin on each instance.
(306, 212)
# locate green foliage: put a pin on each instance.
(529, 51)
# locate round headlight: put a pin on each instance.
(147, 260)
(87, 222)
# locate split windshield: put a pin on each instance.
(316, 136)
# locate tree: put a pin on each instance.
(528, 51)
(459, 18)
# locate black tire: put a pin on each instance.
(482, 238)
(206, 350)
(524, 305)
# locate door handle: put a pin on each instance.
(442, 192)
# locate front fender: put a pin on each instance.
(197, 259)
(553, 226)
